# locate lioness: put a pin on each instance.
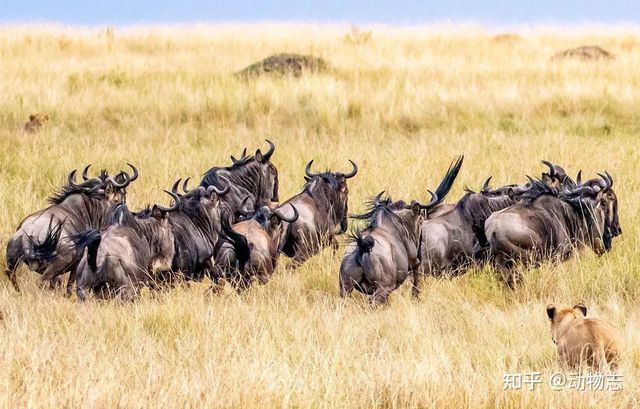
(584, 340)
(36, 122)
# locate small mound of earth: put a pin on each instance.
(506, 38)
(36, 121)
(284, 64)
(588, 52)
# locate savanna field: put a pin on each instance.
(401, 103)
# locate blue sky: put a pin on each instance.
(126, 12)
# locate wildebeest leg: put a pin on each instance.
(14, 256)
(415, 290)
(335, 246)
(73, 272)
(350, 275)
(381, 294)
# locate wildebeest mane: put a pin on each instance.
(381, 213)
(86, 188)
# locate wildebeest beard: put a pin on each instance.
(324, 189)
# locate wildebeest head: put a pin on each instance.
(398, 216)
(556, 175)
(111, 189)
(269, 219)
(254, 175)
(332, 187)
(207, 197)
(599, 204)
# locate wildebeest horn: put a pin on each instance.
(433, 201)
(608, 180)
(267, 155)
(225, 189)
(176, 203)
(290, 219)
(184, 185)
(174, 188)
(376, 200)
(307, 169)
(579, 178)
(552, 169)
(485, 186)
(353, 172)
(122, 185)
(72, 182)
(85, 172)
(243, 210)
(135, 173)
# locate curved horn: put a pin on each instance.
(184, 185)
(433, 201)
(290, 219)
(71, 179)
(267, 155)
(376, 200)
(122, 185)
(485, 186)
(227, 187)
(610, 178)
(85, 172)
(607, 182)
(135, 173)
(174, 188)
(176, 203)
(552, 169)
(307, 169)
(243, 209)
(353, 172)
(579, 178)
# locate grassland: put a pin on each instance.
(401, 104)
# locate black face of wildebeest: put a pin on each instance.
(196, 223)
(549, 223)
(254, 176)
(133, 250)
(42, 240)
(385, 253)
(250, 248)
(322, 207)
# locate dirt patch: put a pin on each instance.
(36, 121)
(284, 64)
(587, 52)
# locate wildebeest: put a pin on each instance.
(196, 223)
(250, 248)
(254, 176)
(132, 251)
(452, 240)
(385, 253)
(42, 240)
(322, 206)
(548, 222)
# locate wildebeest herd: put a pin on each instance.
(232, 228)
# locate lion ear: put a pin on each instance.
(551, 311)
(32, 117)
(582, 308)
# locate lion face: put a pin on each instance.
(36, 121)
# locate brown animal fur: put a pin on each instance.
(582, 340)
(36, 121)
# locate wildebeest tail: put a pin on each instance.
(45, 250)
(445, 185)
(89, 239)
(239, 242)
(365, 244)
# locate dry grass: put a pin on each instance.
(402, 105)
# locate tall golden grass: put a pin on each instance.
(401, 104)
